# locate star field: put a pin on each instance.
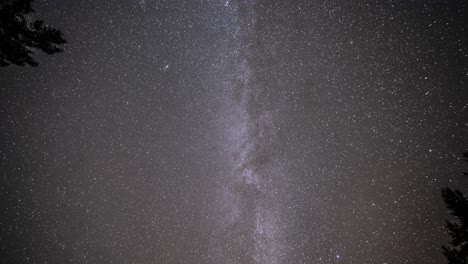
(235, 131)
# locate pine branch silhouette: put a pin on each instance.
(20, 38)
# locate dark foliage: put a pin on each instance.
(19, 37)
(457, 203)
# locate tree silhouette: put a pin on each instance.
(19, 37)
(457, 203)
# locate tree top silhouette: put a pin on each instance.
(457, 203)
(20, 37)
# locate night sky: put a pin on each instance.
(236, 132)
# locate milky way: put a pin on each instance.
(235, 132)
(249, 230)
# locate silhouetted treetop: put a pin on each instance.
(19, 37)
(457, 203)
